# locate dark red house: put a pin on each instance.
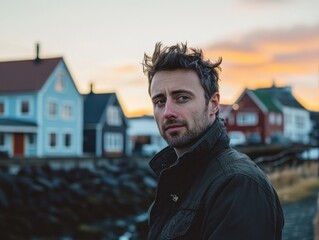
(257, 115)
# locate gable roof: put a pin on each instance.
(94, 106)
(26, 75)
(276, 97)
(267, 99)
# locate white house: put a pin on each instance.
(144, 137)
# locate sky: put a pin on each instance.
(261, 42)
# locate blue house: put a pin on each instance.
(105, 126)
(41, 110)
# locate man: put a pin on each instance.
(206, 190)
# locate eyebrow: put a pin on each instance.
(175, 92)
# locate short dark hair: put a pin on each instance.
(179, 56)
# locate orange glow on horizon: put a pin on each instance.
(241, 57)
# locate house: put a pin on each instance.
(314, 135)
(144, 135)
(40, 108)
(105, 126)
(268, 115)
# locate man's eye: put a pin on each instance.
(182, 99)
(159, 102)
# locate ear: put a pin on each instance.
(214, 104)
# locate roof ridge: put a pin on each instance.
(29, 59)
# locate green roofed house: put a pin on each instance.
(267, 115)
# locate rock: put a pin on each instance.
(88, 232)
(72, 202)
(3, 200)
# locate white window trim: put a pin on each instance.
(272, 118)
(47, 137)
(279, 119)
(111, 137)
(71, 105)
(250, 122)
(52, 100)
(113, 116)
(71, 132)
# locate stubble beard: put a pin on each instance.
(190, 136)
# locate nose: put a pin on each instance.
(170, 110)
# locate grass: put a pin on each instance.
(301, 190)
(295, 184)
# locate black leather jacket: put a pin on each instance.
(213, 192)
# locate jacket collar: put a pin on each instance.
(214, 140)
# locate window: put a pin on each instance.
(1, 108)
(113, 142)
(247, 119)
(272, 118)
(231, 119)
(2, 140)
(52, 109)
(299, 121)
(288, 118)
(279, 119)
(59, 84)
(25, 107)
(67, 140)
(52, 140)
(113, 116)
(31, 139)
(67, 112)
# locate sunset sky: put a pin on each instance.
(103, 42)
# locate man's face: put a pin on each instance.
(180, 109)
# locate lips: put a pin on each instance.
(173, 127)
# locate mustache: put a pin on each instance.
(172, 122)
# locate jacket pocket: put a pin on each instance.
(181, 222)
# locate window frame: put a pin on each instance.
(113, 116)
(113, 142)
(19, 106)
(2, 140)
(52, 102)
(65, 134)
(67, 111)
(247, 119)
(3, 112)
(50, 134)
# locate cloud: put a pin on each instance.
(111, 77)
(256, 59)
(125, 69)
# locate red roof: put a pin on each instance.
(26, 75)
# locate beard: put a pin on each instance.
(191, 135)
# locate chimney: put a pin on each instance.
(91, 88)
(37, 57)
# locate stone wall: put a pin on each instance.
(105, 202)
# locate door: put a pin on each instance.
(18, 144)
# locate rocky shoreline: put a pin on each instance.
(106, 202)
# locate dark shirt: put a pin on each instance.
(213, 192)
